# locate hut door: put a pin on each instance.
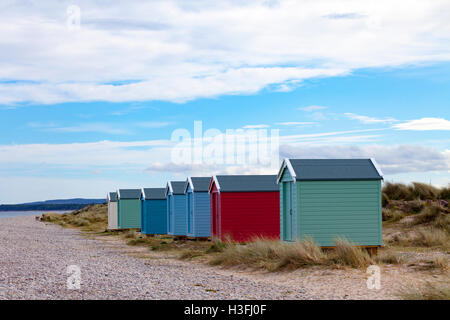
(287, 211)
(169, 209)
(190, 211)
(214, 214)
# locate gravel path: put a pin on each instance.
(34, 258)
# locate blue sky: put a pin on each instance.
(87, 110)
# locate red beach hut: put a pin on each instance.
(244, 207)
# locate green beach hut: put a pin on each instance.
(129, 208)
(329, 198)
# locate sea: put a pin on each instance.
(11, 214)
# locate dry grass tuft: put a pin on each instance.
(445, 193)
(384, 199)
(424, 191)
(439, 262)
(217, 246)
(392, 215)
(397, 191)
(430, 213)
(300, 254)
(388, 257)
(348, 254)
(273, 255)
(431, 238)
(188, 254)
(423, 237)
(442, 222)
(428, 291)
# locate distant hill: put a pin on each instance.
(59, 204)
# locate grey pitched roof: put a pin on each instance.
(177, 187)
(334, 169)
(113, 196)
(129, 193)
(154, 193)
(247, 183)
(201, 184)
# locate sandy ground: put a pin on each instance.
(34, 257)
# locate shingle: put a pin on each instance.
(155, 193)
(130, 193)
(247, 183)
(113, 196)
(334, 169)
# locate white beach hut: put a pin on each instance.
(111, 199)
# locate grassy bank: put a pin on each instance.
(92, 218)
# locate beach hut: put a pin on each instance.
(198, 208)
(176, 208)
(111, 199)
(129, 208)
(153, 211)
(328, 198)
(244, 207)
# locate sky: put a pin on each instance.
(93, 93)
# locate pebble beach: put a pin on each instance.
(34, 257)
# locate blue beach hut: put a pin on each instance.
(198, 207)
(176, 208)
(153, 211)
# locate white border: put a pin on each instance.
(189, 183)
(169, 186)
(377, 167)
(286, 163)
(216, 181)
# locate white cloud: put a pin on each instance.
(256, 126)
(392, 159)
(92, 168)
(177, 50)
(91, 127)
(369, 120)
(318, 116)
(312, 108)
(424, 124)
(135, 153)
(91, 154)
(294, 123)
(153, 124)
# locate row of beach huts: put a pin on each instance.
(319, 198)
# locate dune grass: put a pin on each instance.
(416, 190)
(427, 237)
(273, 255)
(430, 213)
(92, 218)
